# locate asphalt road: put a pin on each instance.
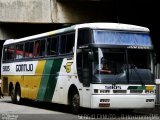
(31, 110)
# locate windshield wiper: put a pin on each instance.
(124, 72)
(131, 67)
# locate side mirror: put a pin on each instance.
(157, 81)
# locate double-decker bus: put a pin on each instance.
(91, 65)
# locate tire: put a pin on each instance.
(75, 103)
(12, 94)
(18, 95)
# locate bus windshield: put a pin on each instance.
(122, 66)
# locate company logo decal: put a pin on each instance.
(68, 66)
(114, 87)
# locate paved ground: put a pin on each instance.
(27, 108)
(47, 111)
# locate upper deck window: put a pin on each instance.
(121, 38)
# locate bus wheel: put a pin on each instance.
(75, 103)
(13, 98)
(18, 95)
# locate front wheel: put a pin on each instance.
(16, 95)
(75, 103)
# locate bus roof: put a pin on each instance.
(109, 26)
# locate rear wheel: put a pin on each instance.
(75, 103)
(18, 95)
(12, 94)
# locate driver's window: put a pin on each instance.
(83, 68)
(86, 69)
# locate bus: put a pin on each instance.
(65, 66)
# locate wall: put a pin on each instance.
(32, 11)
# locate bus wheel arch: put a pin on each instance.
(74, 99)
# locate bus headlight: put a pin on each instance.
(101, 91)
(104, 91)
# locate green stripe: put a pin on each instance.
(49, 80)
(44, 80)
(53, 80)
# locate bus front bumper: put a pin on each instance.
(122, 101)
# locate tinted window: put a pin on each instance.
(28, 50)
(8, 53)
(42, 48)
(83, 37)
(52, 44)
(39, 49)
(67, 43)
(19, 51)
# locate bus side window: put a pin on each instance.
(83, 67)
(10, 52)
(79, 65)
(70, 43)
(4, 54)
(28, 50)
(63, 44)
(42, 51)
(39, 49)
(36, 48)
(52, 44)
(67, 43)
(19, 51)
(83, 37)
(86, 76)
